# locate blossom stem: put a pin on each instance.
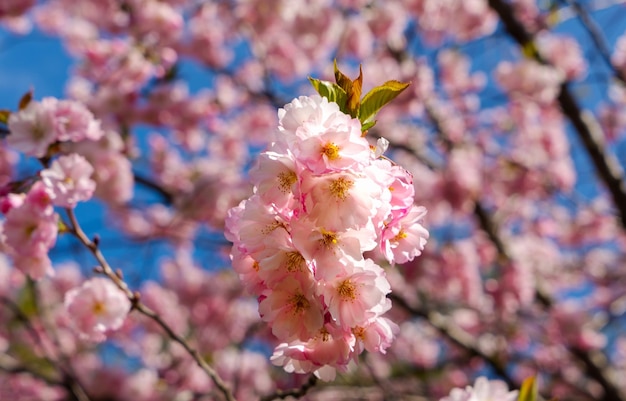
(140, 307)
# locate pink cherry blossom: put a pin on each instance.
(341, 200)
(30, 230)
(357, 295)
(74, 122)
(292, 309)
(96, 307)
(68, 180)
(325, 353)
(331, 145)
(404, 238)
(32, 128)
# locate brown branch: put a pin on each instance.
(596, 35)
(607, 167)
(457, 337)
(590, 134)
(137, 305)
(295, 392)
(168, 197)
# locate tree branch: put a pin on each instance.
(590, 134)
(295, 392)
(596, 35)
(137, 305)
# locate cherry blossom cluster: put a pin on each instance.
(323, 198)
(77, 158)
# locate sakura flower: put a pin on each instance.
(74, 122)
(330, 250)
(405, 238)
(97, 307)
(276, 178)
(36, 265)
(357, 295)
(30, 230)
(292, 309)
(322, 198)
(305, 109)
(341, 200)
(68, 180)
(335, 144)
(32, 128)
(376, 335)
(330, 349)
(483, 390)
(259, 224)
(280, 259)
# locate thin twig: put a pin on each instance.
(140, 307)
(456, 336)
(295, 392)
(596, 35)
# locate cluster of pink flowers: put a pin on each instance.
(31, 224)
(323, 198)
(30, 230)
(41, 123)
(71, 143)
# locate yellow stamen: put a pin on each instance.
(98, 308)
(329, 238)
(331, 151)
(400, 236)
(324, 334)
(286, 180)
(295, 262)
(339, 187)
(347, 290)
(359, 332)
(271, 227)
(298, 303)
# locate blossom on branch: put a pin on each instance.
(322, 198)
(96, 307)
(68, 180)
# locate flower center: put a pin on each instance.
(347, 290)
(298, 303)
(331, 151)
(295, 262)
(286, 180)
(400, 236)
(339, 187)
(329, 238)
(271, 227)
(359, 332)
(98, 308)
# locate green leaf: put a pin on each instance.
(378, 97)
(528, 392)
(4, 116)
(26, 301)
(331, 91)
(28, 96)
(368, 125)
